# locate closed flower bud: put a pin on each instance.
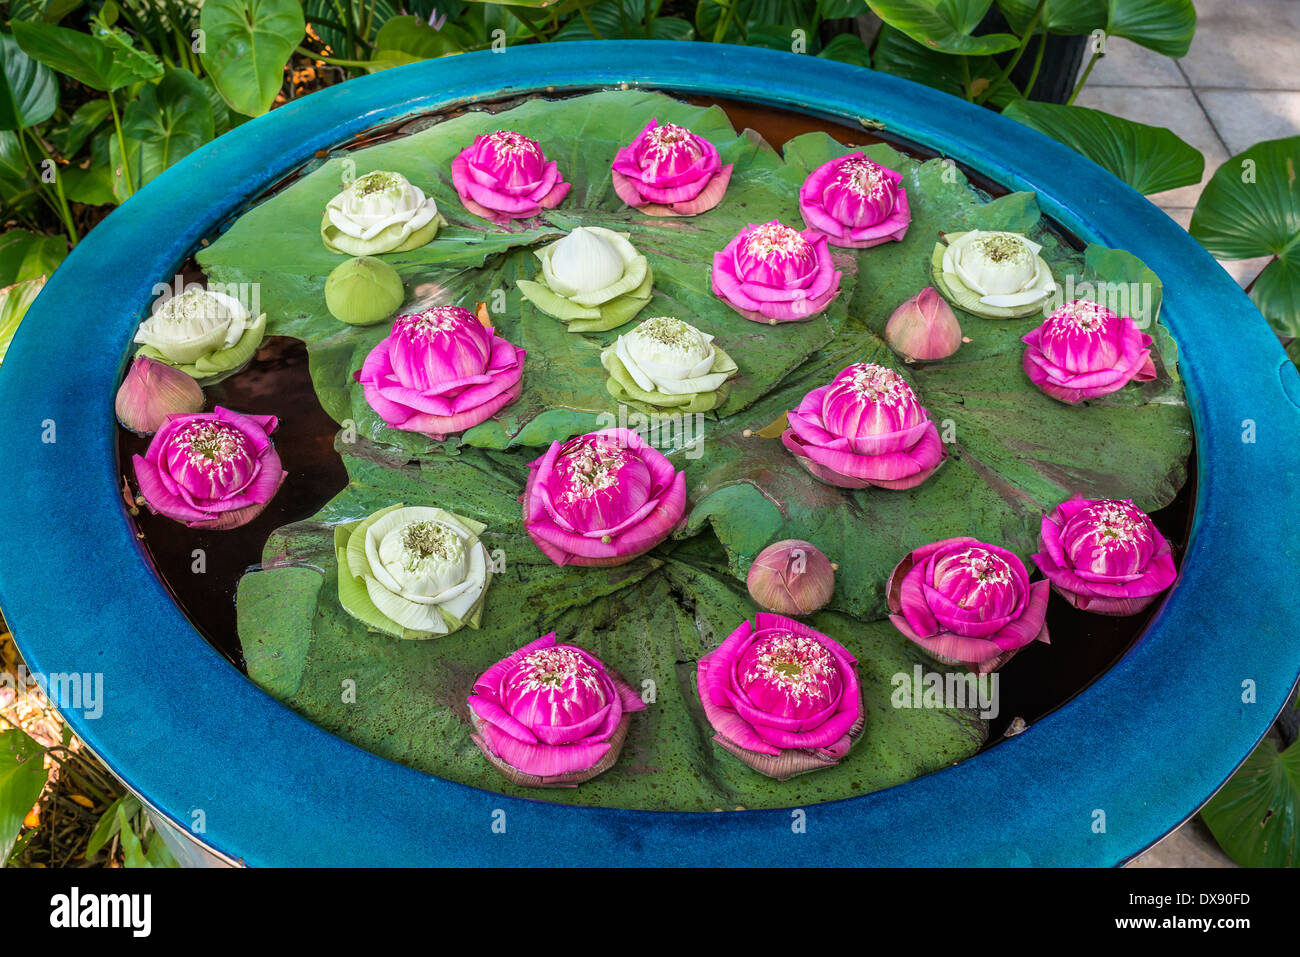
(924, 327)
(362, 291)
(791, 578)
(152, 391)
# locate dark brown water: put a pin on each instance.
(1037, 681)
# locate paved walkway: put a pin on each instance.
(1238, 84)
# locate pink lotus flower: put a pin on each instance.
(967, 603)
(669, 171)
(866, 428)
(1104, 556)
(924, 327)
(1084, 350)
(213, 469)
(855, 202)
(441, 371)
(504, 176)
(782, 696)
(551, 715)
(772, 273)
(602, 499)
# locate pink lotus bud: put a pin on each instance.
(782, 697)
(772, 273)
(669, 171)
(924, 327)
(791, 578)
(967, 603)
(866, 428)
(152, 391)
(602, 499)
(551, 715)
(1104, 556)
(504, 176)
(1084, 350)
(213, 469)
(441, 371)
(855, 203)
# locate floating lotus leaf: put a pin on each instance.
(1013, 453)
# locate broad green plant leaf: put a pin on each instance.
(15, 300)
(169, 121)
(944, 25)
(1068, 17)
(104, 61)
(1255, 817)
(87, 118)
(28, 91)
(1151, 159)
(898, 54)
(22, 777)
(475, 261)
(1166, 26)
(1251, 207)
(410, 701)
(27, 255)
(847, 48)
(248, 44)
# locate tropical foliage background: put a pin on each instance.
(98, 97)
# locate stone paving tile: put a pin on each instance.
(1245, 44)
(1244, 117)
(1191, 845)
(1127, 64)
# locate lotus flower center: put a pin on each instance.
(774, 239)
(194, 304)
(1082, 314)
(424, 326)
(1114, 522)
(667, 136)
(210, 445)
(799, 666)
(377, 182)
(668, 331)
(861, 177)
(591, 467)
(553, 668)
(875, 383)
(510, 143)
(1003, 249)
(423, 542)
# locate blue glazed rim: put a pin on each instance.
(1145, 745)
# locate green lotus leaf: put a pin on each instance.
(1255, 816)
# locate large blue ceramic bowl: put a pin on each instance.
(1095, 782)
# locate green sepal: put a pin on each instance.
(602, 318)
(216, 366)
(386, 241)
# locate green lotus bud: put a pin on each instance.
(363, 291)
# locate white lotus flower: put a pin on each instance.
(666, 362)
(377, 213)
(423, 568)
(204, 333)
(593, 279)
(1003, 269)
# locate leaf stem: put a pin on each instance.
(586, 18)
(121, 142)
(332, 61)
(65, 212)
(1087, 71)
(1038, 63)
(728, 11)
(1020, 51)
